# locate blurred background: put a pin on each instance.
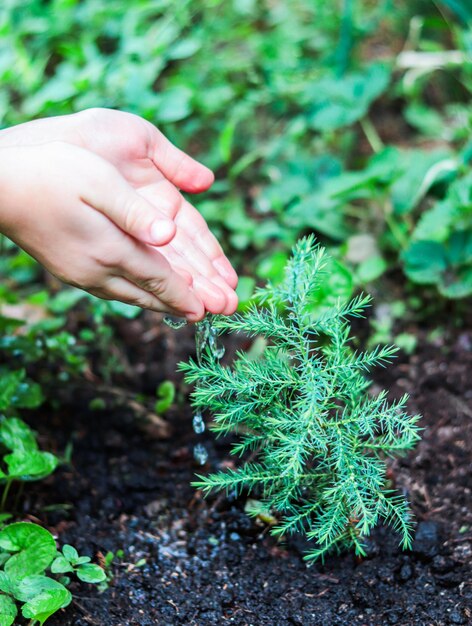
(351, 119)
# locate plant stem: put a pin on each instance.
(372, 135)
(5, 495)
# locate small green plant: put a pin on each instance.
(317, 440)
(21, 459)
(165, 393)
(29, 558)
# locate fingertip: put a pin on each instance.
(211, 295)
(232, 302)
(205, 179)
(197, 313)
(200, 179)
(162, 232)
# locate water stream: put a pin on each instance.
(206, 337)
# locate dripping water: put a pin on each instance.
(200, 454)
(206, 336)
(198, 423)
(175, 322)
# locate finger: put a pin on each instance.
(177, 166)
(109, 193)
(213, 290)
(195, 227)
(118, 288)
(189, 220)
(213, 296)
(149, 270)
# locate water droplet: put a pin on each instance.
(175, 322)
(216, 350)
(202, 333)
(198, 423)
(200, 454)
(219, 352)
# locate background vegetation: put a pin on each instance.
(350, 119)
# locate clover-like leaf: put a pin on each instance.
(338, 102)
(7, 584)
(70, 553)
(90, 573)
(30, 464)
(61, 565)
(17, 391)
(32, 586)
(16, 435)
(8, 610)
(447, 265)
(45, 604)
(425, 261)
(34, 549)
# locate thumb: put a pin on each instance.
(113, 196)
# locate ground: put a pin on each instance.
(190, 561)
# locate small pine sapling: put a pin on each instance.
(316, 439)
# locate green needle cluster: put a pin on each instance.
(314, 439)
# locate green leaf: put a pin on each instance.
(46, 604)
(90, 573)
(245, 291)
(61, 565)
(341, 101)
(16, 435)
(447, 265)
(17, 391)
(8, 610)
(370, 269)
(420, 171)
(183, 49)
(7, 585)
(174, 104)
(70, 553)
(272, 267)
(458, 285)
(32, 586)
(66, 299)
(320, 211)
(425, 261)
(30, 464)
(34, 549)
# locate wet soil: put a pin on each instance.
(190, 561)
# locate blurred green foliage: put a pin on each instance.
(347, 118)
(350, 119)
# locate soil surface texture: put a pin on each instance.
(193, 561)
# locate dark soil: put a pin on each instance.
(189, 561)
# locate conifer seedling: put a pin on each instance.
(313, 439)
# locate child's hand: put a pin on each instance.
(115, 175)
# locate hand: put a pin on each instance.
(152, 166)
(52, 199)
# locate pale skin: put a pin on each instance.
(95, 198)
